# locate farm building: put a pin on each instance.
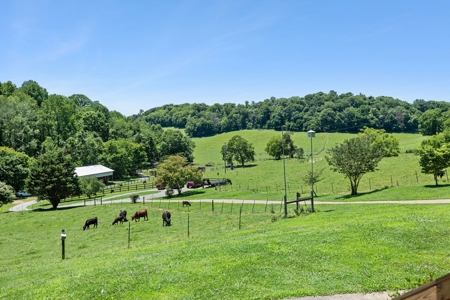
(98, 171)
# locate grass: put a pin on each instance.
(339, 249)
(265, 177)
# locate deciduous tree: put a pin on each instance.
(240, 149)
(52, 177)
(175, 171)
(14, 167)
(354, 158)
(90, 186)
(6, 193)
(434, 156)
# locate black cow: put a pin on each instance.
(123, 214)
(117, 220)
(89, 222)
(166, 218)
(186, 203)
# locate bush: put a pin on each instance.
(134, 198)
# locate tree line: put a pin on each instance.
(321, 112)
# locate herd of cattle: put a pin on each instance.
(123, 218)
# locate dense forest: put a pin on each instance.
(320, 111)
(31, 121)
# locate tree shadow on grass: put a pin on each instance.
(246, 166)
(433, 186)
(41, 209)
(350, 197)
(188, 193)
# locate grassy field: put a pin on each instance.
(264, 178)
(339, 249)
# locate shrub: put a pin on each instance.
(134, 198)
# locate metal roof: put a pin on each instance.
(93, 171)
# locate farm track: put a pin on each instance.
(25, 205)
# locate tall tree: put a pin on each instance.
(52, 177)
(239, 149)
(354, 158)
(35, 91)
(431, 122)
(175, 171)
(174, 142)
(274, 147)
(14, 167)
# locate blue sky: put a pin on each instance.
(132, 55)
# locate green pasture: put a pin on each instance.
(265, 177)
(339, 249)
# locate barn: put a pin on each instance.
(97, 171)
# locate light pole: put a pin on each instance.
(284, 172)
(312, 134)
(63, 239)
(225, 157)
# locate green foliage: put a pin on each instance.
(52, 177)
(315, 176)
(6, 193)
(124, 157)
(90, 186)
(434, 156)
(14, 167)
(431, 122)
(354, 158)
(240, 150)
(174, 172)
(173, 142)
(380, 139)
(134, 198)
(274, 147)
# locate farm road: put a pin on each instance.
(24, 206)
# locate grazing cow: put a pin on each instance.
(123, 214)
(139, 214)
(117, 220)
(89, 222)
(166, 218)
(186, 203)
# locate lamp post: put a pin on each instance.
(312, 134)
(284, 172)
(225, 157)
(63, 239)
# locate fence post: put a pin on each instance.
(370, 185)
(168, 204)
(200, 205)
(212, 205)
(417, 178)
(281, 205)
(143, 199)
(240, 213)
(332, 189)
(253, 205)
(265, 209)
(129, 234)
(188, 225)
(232, 206)
(392, 184)
(221, 211)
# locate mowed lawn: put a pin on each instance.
(339, 249)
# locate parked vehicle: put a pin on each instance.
(193, 185)
(22, 194)
(160, 186)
